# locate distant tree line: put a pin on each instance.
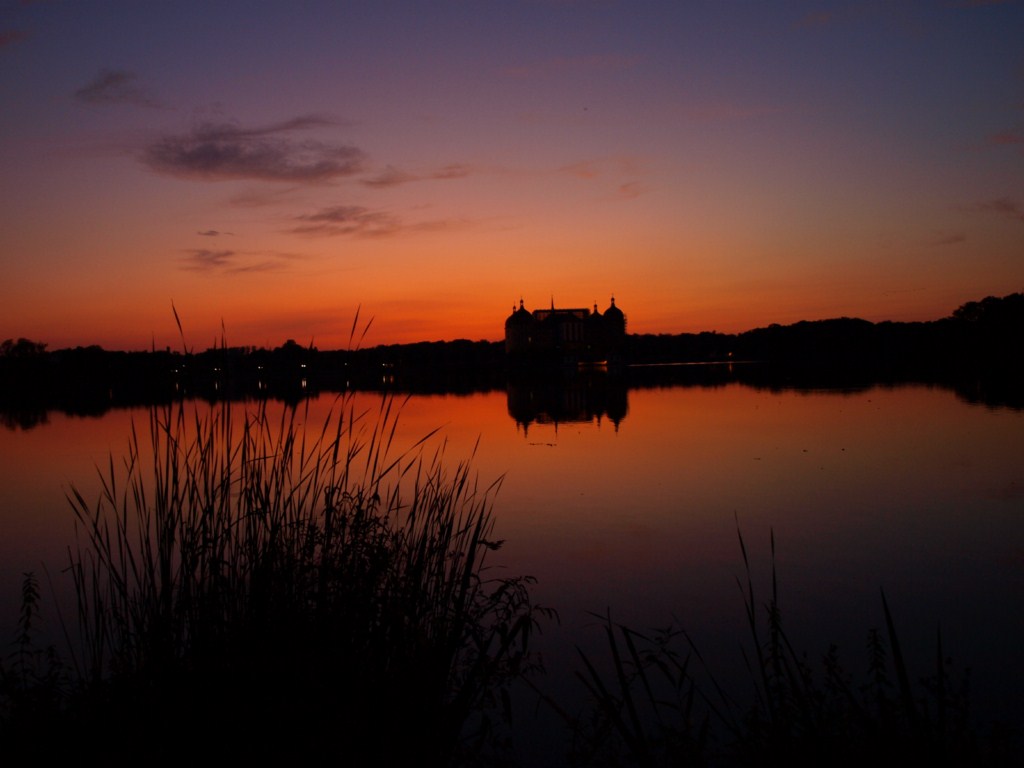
(989, 333)
(984, 336)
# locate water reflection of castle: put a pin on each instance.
(588, 397)
(565, 336)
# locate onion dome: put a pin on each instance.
(614, 313)
(519, 316)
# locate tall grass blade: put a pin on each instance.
(311, 588)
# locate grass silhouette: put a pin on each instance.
(654, 701)
(256, 589)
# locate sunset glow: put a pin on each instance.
(272, 170)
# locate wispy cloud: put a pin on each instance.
(358, 221)
(223, 151)
(392, 177)
(352, 220)
(209, 233)
(115, 86)
(233, 262)
(453, 171)
(631, 189)
(258, 266)
(1004, 206)
(205, 260)
(1007, 138)
(585, 169)
(951, 238)
(618, 172)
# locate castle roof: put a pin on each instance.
(521, 315)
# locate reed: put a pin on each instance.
(262, 588)
(656, 702)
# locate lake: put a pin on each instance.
(629, 501)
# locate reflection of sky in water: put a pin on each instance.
(908, 489)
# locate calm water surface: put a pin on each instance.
(908, 489)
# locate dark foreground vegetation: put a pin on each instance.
(262, 591)
(655, 702)
(979, 348)
(253, 590)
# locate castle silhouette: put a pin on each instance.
(571, 336)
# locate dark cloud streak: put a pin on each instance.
(204, 260)
(630, 190)
(351, 220)
(1004, 206)
(232, 262)
(389, 177)
(357, 221)
(392, 177)
(224, 151)
(115, 86)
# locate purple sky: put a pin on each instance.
(714, 165)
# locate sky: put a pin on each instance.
(282, 170)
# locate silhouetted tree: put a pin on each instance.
(21, 349)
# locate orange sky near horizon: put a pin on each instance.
(270, 172)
